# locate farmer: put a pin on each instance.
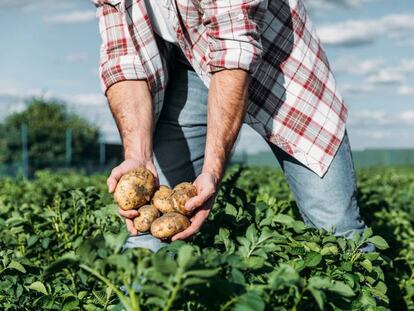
(182, 76)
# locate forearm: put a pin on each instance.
(227, 101)
(131, 106)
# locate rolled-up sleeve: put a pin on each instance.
(233, 31)
(119, 59)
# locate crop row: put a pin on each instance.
(61, 249)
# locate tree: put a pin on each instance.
(47, 122)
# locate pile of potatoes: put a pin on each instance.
(161, 210)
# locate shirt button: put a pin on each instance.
(240, 17)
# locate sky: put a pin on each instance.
(51, 48)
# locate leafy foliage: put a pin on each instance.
(61, 249)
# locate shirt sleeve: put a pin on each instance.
(119, 59)
(233, 31)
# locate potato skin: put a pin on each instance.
(134, 189)
(161, 199)
(168, 225)
(181, 194)
(146, 216)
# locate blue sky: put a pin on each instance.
(51, 47)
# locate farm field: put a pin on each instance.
(61, 249)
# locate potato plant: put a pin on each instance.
(61, 249)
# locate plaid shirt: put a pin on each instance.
(293, 99)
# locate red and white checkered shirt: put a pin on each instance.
(293, 99)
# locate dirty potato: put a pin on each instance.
(181, 194)
(168, 225)
(146, 216)
(162, 199)
(134, 189)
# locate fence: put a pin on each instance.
(108, 156)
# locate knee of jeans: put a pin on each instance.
(341, 216)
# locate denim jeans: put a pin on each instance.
(179, 141)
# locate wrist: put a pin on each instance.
(214, 173)
(138, 155)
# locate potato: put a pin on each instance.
(162, 200)
(168, 225)
(181, 194)
(134, 189)
(146, 216)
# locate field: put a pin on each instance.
(61, 249)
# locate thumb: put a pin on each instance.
(197, 201)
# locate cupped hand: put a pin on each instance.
(115, 176)
(206, 185)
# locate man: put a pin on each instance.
(182, 76)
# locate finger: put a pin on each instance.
(197, 222)
(128, 214)
(154, 172)
(130, 226)
(198, 200)
(111, 183)
(116, 174)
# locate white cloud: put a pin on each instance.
(376, 73)
(359, 32)
(375, 118)
(331, 4)
(406, 90)
(352, 89)
(352, 65)
(39, 6)
(407, 117)
(80, 57)
(386, 76)
(86, 99)
(71, 17)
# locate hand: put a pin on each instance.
(206, 186)
(116, 174)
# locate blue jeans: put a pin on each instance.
(179, 141)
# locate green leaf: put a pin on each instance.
(63, 262)
(378, 242)
(249, 301)
(32, 240)
(381, 287)
(319, 282)
(155, 301)
(319, 297)
(237, 277)
(194, 281)
(164, 265)
(230, 210)
(312, 259)
(283, 219)
(254, 262)
(70, 303)
(203, 273)
(116, 241)
(341, 288)
(154, 291)
(185, 256)
(82, 294)
(299, 226)
(16, 266)
(39, 287)
(367, 233)
(366, 263)
(251, 233)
